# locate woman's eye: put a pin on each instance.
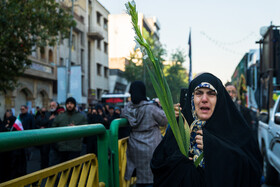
(212, 93)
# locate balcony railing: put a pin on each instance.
(95, 33)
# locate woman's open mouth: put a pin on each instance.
(204, 109)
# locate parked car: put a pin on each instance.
(269, 143)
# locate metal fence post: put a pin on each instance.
(103, 162)
(114, 131)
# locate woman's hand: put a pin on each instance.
(176, 108)
(199, 139)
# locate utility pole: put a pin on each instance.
(68, 73)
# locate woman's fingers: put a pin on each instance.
(199, 140)
(176, 109)
(199, 132)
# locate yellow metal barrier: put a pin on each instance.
(122, 164)
(163, 130)
(84, 173)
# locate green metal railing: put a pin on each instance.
(107, 140)
(21, 139)
(114, 131)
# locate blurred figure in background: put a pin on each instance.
(232, 91)
(9, 120)
(118, 112)
(91, 141)
(60, 110)
(53, 112)
(42, 122)
(144, 118)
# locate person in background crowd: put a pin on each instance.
(72, 148)
(60, 110)
(118, 112)
(101, 112)
(158, 102)
(111, 116)
(89, 112)
(37, 112)
(43, 119)
(20, 156)
(28, 123)
(42, 122)
(2, 126)
(144, 118)
(53, 112)
(5, 160)
(231, 89)
(106, 107)
(91, 141)
(9, 120)
(26, 118)
(81, 110)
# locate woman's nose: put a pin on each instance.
(204, 97)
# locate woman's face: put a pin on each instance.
(204, 101)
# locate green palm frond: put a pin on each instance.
(180, 130)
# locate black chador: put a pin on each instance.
(231, 154)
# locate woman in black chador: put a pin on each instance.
(231, 155)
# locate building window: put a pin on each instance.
(99, 67)
(98, 18)
(82, 39)
(98, 44)
(82, 19)
(106, 72)
(105, 47)
(82, 61)
(61, 40)
(34, 51)
(99, 92)
(105, 25)
(42, 52)
(73, 42)
(84, 92)
(50, 56)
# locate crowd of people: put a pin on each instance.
(221, 133)
(14, 163)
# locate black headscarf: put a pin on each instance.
(231, 154)
(137, 91)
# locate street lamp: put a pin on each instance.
(68, 94)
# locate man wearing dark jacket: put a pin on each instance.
(53, 112)
(27, 119)
(42, 121)
(69, 149)
(21, 156)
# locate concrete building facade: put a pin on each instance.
(98, 46)
(89, 49)
(78, 45)
(37, 86)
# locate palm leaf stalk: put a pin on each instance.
(181, 129)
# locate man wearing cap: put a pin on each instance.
(70, 149)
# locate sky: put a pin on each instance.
(222, 31)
